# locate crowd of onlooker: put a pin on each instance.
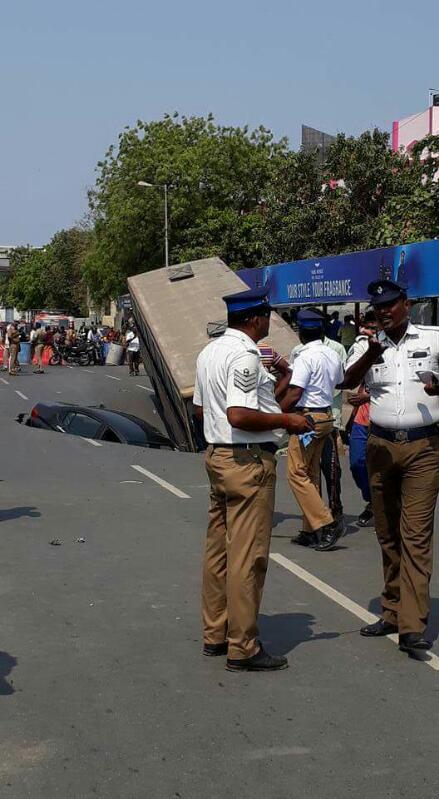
(61, 337)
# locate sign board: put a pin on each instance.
(333, 280)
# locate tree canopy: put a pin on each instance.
(235, 193)
(50, 277)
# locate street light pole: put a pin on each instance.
(164, 186)
(166, 226)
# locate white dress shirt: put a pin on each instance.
(230, 374)
(317, 369)
(337, 400)
(398, 399)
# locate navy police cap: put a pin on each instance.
(245, 300)
(383, 291)
(310, 318)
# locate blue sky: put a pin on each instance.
(73, 74)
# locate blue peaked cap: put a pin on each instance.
(310, 319)
(245, 300)
(382, 291)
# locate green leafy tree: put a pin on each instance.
(412, 212)
(51, 277)
(218, 177)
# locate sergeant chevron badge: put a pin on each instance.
(245, 380)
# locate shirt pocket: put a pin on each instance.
(420, 360)
(381, 374)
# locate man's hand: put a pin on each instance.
(432, 389)
(358, 399)
(375, 348)
(296, 424)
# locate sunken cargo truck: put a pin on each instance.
(178, 310)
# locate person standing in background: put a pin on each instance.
(347, 332)
(330, 460)
(133, 351)
(39, 343)
(14, 348)
(315, 373)
(359, 430)
(333, 326)
(5, 342)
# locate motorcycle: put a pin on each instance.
(79, 354)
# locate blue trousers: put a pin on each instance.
(357, 458)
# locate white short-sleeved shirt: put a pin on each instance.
(397, 397)
(337, 400)
(317, 369)
(230, 374)
(132, 340)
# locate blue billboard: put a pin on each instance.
(344, 278)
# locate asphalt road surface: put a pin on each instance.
(103, 690)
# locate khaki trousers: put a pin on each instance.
(13, 362)
(39, 355)
(404, 482)
(237, 546)
(303, 474)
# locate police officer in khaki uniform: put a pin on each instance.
(398, 367)
(39, 344)
(234, 395)
(14, 348)
(316, 371)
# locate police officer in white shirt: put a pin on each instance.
(316, 371)
(330, 461)
(399, 368)
(234, 395)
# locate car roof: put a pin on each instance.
(126, 424)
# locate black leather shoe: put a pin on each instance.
(329, 536)
(365, 519)
(262, 661)
(413, 642)
(305, 539)
(378, 628)
(215, 650)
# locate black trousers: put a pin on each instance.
(133, 361)
(330, 464)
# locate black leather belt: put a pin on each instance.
(269, 446)
(314, 410)
(399, 436)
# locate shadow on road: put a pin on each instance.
(17, 513)
(284, 631)
(7, 663)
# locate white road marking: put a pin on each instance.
(145, 388)
(6, 382)
(23, 396)
(344, 601)
(92, 441)
(69, 367)
(163, 483)
(111, 377)
(88, 370)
